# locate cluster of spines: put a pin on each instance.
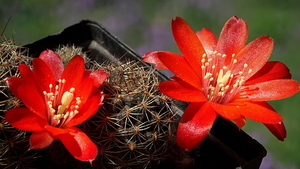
(68, 52)
(136, 126)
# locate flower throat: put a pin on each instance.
(220, 84)
(61, 106)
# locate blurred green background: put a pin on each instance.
(145, 26)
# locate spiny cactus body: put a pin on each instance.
(135, 128)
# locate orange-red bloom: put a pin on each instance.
(223, 77)
(57, 99)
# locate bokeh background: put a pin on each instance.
(145, 26)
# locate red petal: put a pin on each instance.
(270, 71)
(13, 84)
(33, 99)
(79, 145)
(40, 140)
(43, 74)
(181, 68)
(227, 111)
(28, 76)
(177, 90)
(255, 55)
(259, 111)
(55, 132)
(152, 57)
(195, 124)
(270, 90)
(240, 122)
(208, 40)
(87, 110)
(73, 72)
(188, 43)
(278, 130)
(85, 89)
(30, 93)
(232, 38)
(24, 119)
(98, 76)
(54, 62)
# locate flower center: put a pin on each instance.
(61, 106)
(220, 84)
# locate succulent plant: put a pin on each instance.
(135, 128)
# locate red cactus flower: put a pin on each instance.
(57, 99)
(223, 77)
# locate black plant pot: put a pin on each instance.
(225, 147)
